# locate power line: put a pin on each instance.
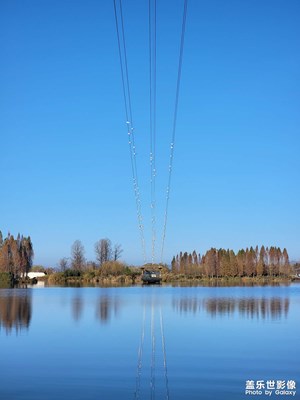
(129, 118)
(172, 145)
(152, 90)
(152, 105)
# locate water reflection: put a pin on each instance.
(107, 307)
(15, 310)
(77, 308)
(259, 308)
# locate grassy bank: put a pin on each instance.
(6, 280)
(128, 276)
(111, 274)
(225, 281)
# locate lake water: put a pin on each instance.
(149, 343)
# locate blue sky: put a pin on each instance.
(65, 166)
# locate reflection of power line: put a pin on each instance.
(157, 361)
(164, 352)
(152, 379)
(140, 357)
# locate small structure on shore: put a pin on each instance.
(36, 275)
(150, 276)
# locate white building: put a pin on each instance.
(32, 275)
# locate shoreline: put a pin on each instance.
(134, 279)
(170, 279)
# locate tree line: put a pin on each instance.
(104, 252)
(16, 255)
(264, 261)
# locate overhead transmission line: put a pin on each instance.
(152, 104)
(173, 136)
(129, 118)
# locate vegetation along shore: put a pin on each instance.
(215, 266)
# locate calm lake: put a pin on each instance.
(149, 343)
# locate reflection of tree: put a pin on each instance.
(273, 307)
(260, 308)
(184, 305)
(77, 308)
(15, 311)
(106, 307)
(220, 306)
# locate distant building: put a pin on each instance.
(32, 275)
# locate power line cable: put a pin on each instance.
(172, 145)
(129, 118)
(152, 90)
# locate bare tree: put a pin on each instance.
(117, 251)
(63, 264)
(78, 259)
(103, 250)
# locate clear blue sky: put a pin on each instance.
(65, 167)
